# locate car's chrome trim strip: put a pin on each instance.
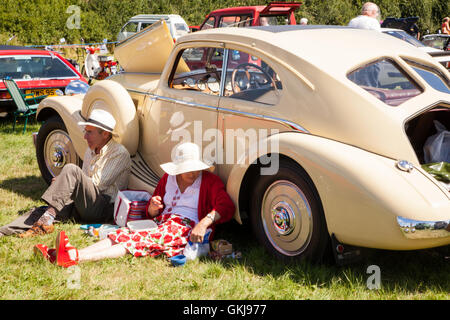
(259, 116)
(415, 229)
(155, 97)
(224, 72)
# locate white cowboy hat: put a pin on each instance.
(101, 119)
(186, 159)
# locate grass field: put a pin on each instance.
(257, 276)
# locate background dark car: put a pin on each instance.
(38, 72)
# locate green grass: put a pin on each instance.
(404, 275)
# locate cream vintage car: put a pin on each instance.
(317, 132)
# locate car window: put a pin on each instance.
(32, 67)
(273, 20)
(205, 68)
(235, 21)
(251, 78)
(210, 23)
(386, 81)
(181, 29)
(146, 24)
(130, 27)
(433, 77)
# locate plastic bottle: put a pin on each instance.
(106, 229)
(194, 250)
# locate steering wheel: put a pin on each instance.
(251, 79)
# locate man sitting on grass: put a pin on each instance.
(88, 194)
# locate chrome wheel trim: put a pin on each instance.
(286, 218)
(58, 151)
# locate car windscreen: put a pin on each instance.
(386, 81)
(27, 67)
(441, 42)
(402, 35)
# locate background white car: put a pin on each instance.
(177, 26)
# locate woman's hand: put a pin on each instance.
(155, 206)
(198, 232)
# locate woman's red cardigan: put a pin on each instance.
(213, 196)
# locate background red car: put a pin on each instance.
(39, 72)
(275, 13)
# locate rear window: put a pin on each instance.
(387, 81)
(433, 77)
(273, 20)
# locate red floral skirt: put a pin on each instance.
(169, 237)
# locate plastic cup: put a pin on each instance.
(178, 260)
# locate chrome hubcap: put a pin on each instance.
(58, 158)
(287, 218)
(283, 218)
(58, 151)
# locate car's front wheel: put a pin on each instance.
(54, 148)
(287, 215)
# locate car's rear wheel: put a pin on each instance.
(287, 215)
(54, 148)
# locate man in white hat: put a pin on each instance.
(88, 194)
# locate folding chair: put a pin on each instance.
(24, 109)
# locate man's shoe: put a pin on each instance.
(37, 229)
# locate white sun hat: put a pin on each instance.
(101, 119)
(186, 159)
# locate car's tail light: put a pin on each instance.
(5, 95)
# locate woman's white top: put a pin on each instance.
(184, 204)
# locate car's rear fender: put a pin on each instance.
(362, 193)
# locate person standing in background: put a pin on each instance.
(445, 28)
(368, 19)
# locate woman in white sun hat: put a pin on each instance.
(187, 201)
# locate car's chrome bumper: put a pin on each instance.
(414, 229)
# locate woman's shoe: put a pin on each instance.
(66, 254)
(43, 251)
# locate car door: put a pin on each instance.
(247, 113)
(184, 107)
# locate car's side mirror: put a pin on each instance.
(76, 87)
